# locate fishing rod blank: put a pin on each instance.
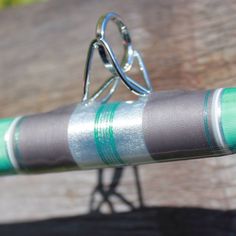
(163, 126)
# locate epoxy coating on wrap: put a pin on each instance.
(106, 135)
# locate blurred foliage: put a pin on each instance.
(7, 3)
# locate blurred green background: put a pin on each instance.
(7, 3)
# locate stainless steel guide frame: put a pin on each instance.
(118, 70)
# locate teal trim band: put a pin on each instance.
(228, 117)
(104, 135)
(5, 163)
(205, 118)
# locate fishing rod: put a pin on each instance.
(157, 127)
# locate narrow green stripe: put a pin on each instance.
(5, 163)
(101, 132)
(104, 135)
(103, 141)
(104, 124)
(97, 134)
(108, 151)
(205, 114)
(111, 134)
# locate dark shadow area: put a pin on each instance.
(163, 221)
(107, 191)
(139, 220)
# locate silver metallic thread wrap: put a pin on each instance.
(121, 124)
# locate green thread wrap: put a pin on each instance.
(228, 117)
(104, 135)
(5, 163)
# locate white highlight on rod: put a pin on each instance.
(216, 119)
(9, 139)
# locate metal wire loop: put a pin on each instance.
(118, 70)
(127, 59)
(114, 80)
